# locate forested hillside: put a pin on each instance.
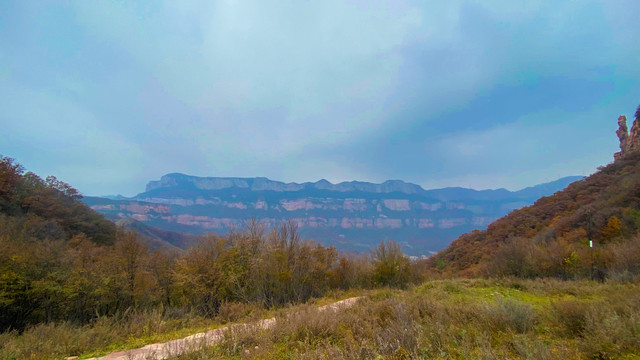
(37, 209)
(552, 237)
(158, 239)
(48, 242)
(61, 261)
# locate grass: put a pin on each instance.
(105, 335)
(133, 330)
(457, 319)
(443, 319)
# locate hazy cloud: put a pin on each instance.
(108, 95)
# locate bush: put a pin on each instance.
(233, 311)
(571, 316)
(391, 266)
(513, 314)
(609, 335)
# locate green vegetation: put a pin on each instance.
(457, 319)
(66, 271)
(71, 283)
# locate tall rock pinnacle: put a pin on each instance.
(623, 135)
(629, 141)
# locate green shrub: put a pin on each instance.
(513, 314)
(570, 316)
(609, 335)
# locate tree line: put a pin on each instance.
(61, 261)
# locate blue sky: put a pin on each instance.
(481, 94)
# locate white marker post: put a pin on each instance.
(592, 259)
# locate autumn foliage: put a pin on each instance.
(552, 237)
(61, 261)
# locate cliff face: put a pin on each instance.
(351, 215)
(629, 141)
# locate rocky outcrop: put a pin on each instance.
(629, 141)
(623, 136)
(351, 215)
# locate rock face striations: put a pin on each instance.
(629, 141)
(351, 215)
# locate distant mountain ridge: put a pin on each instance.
(350, 215)
(188, 182)
(265, 184)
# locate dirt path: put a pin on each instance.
(198, 341)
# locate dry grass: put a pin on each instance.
(135, 329)
(107, 334)
(444, 319)
(457, 319)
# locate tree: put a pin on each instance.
(197, 275)
(613, 229)
(391, 266)
(131, 258)
(62, 187)
(10, 175)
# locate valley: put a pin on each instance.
(353, 216)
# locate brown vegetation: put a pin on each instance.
(551, 237)
(457, 319)
(68, 275)
(60, 261)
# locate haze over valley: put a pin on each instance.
(353, 216)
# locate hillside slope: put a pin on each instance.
(551, 237)
(49, 209)
(156, 238)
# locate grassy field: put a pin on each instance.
(133, 330)
(443, 319)
(457, 319)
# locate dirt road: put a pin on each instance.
(198, 341)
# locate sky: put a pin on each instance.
(482, 94)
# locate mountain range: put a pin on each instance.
(353, 216)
